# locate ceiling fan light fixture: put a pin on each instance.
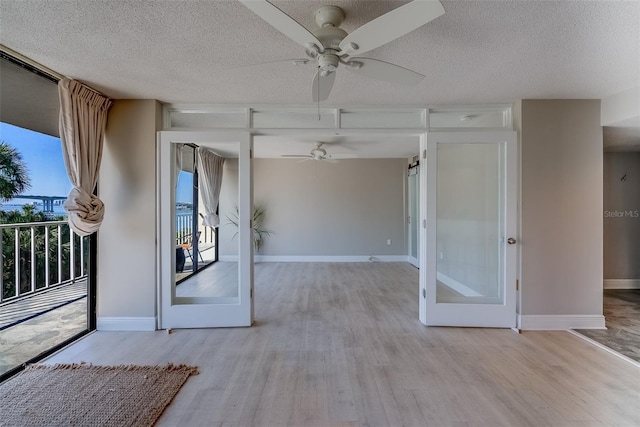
(328, 62)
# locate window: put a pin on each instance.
(46, 269)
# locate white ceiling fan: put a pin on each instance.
(329, 46)
(320, 153)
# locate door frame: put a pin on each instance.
(472, 314)
(415, 261)
(202, 312)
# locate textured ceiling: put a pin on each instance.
(186, 51)
(198, 51)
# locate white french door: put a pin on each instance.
(222, 294)
(470, 236)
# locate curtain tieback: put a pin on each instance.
(211, 220)
(85, 211)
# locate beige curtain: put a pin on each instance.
(83, 118)
(210, 177)
(178, 163)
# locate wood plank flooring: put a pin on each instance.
(341, 345)
(219, 280)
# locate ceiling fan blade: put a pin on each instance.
(283, 23)
(322, 86)
(293, 61)
(384, 71)
(297, 156)
(342, 156)
(391, 26)
(326, 159)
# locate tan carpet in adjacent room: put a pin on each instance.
(86, 395)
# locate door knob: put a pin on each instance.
(511, 241)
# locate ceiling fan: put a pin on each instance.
(320, 153)
(330, 46)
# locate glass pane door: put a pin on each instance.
(219, 295)
(472, 206)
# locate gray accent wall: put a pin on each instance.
(316, 208)
(562, 225)
(622, 215)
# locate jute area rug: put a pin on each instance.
(86, 395)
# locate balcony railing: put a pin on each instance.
(38, 256)
(184, 230)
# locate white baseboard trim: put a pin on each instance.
(331, 258)
(126, 324)
(320, 258)
(561, 322)
(621, 284)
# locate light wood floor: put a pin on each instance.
(341, 345)
(219, 280)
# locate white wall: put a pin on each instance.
(315, 208)
(622, 219)
(561, 238)
(127, 238)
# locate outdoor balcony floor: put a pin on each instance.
(33, 325)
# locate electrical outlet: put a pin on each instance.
(389, 242)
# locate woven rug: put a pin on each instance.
(86, 395)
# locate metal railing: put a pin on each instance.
(37, 256)
(184, 230)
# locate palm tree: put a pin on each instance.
(14, 175)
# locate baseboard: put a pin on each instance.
(561, 322)
(126, 324)
(621, 284)
(331, 258)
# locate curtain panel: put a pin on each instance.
(210, 167)
(178, 164)
(83, 118)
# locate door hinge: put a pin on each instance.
(517, 285)
(251, 293)
(424, 154)
(424, 293)
(408, 220)
(424, 223)
(251, 154)
(251, 224)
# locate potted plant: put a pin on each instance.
(257, 219)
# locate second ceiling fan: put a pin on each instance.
(331, 47)
(320, 153)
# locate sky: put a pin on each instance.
(184, 189)
(43, 157)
